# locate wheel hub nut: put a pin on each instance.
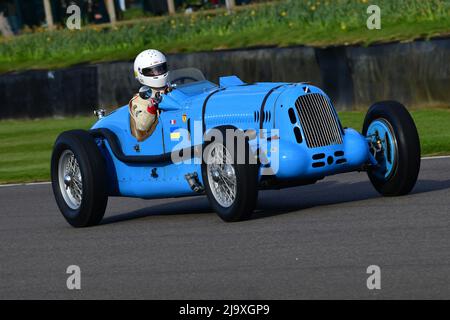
(67, 180)
(215, 175)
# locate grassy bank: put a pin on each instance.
(25, 145)
(284, 23)
(433, 127)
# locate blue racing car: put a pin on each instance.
(228, 141)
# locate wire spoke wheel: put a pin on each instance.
(231, 185)
(70, 180)
(79, 179)
(221, 175)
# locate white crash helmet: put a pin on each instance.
(150, 69)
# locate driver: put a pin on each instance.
(150, 69)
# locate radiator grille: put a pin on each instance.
(318, 120)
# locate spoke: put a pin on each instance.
(219, 158)
(67, 168)
(78, 189)
(225, 184)
(78, 184)
(70, 162)
(222, 177)
(230, 194)
(221, 191)
(230, 180)
(226, 194)
(71, 179)
(220, 155)
(229, 190)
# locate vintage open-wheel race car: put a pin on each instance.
(229, 141)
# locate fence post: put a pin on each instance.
(48, 14)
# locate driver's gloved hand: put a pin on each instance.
(168, 89)
(152, 106)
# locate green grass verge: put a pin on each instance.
(25, 145)
(433, 127)
(283, 23)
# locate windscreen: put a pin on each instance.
(185, 75)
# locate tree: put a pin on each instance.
(5, 28)
(48, 14)
(230, 4)
(111, 11)
(171, 6)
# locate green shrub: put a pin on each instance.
(289, 22)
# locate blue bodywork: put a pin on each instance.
(199, 106)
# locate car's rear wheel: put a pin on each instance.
(395, 144)
(79, 178)
(231, 186)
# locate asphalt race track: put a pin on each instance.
(306, 242)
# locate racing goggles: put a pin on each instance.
(155, 71)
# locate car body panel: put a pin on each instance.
(191, 110)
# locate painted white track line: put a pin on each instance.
(48, 182)
(436, 157)
(24, 184)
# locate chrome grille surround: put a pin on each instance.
(318, 120)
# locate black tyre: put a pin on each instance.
(79, 178)
(231, 187)
(395, 143)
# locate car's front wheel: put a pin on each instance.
(395, 144)
(79, 178)
(231, 186)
